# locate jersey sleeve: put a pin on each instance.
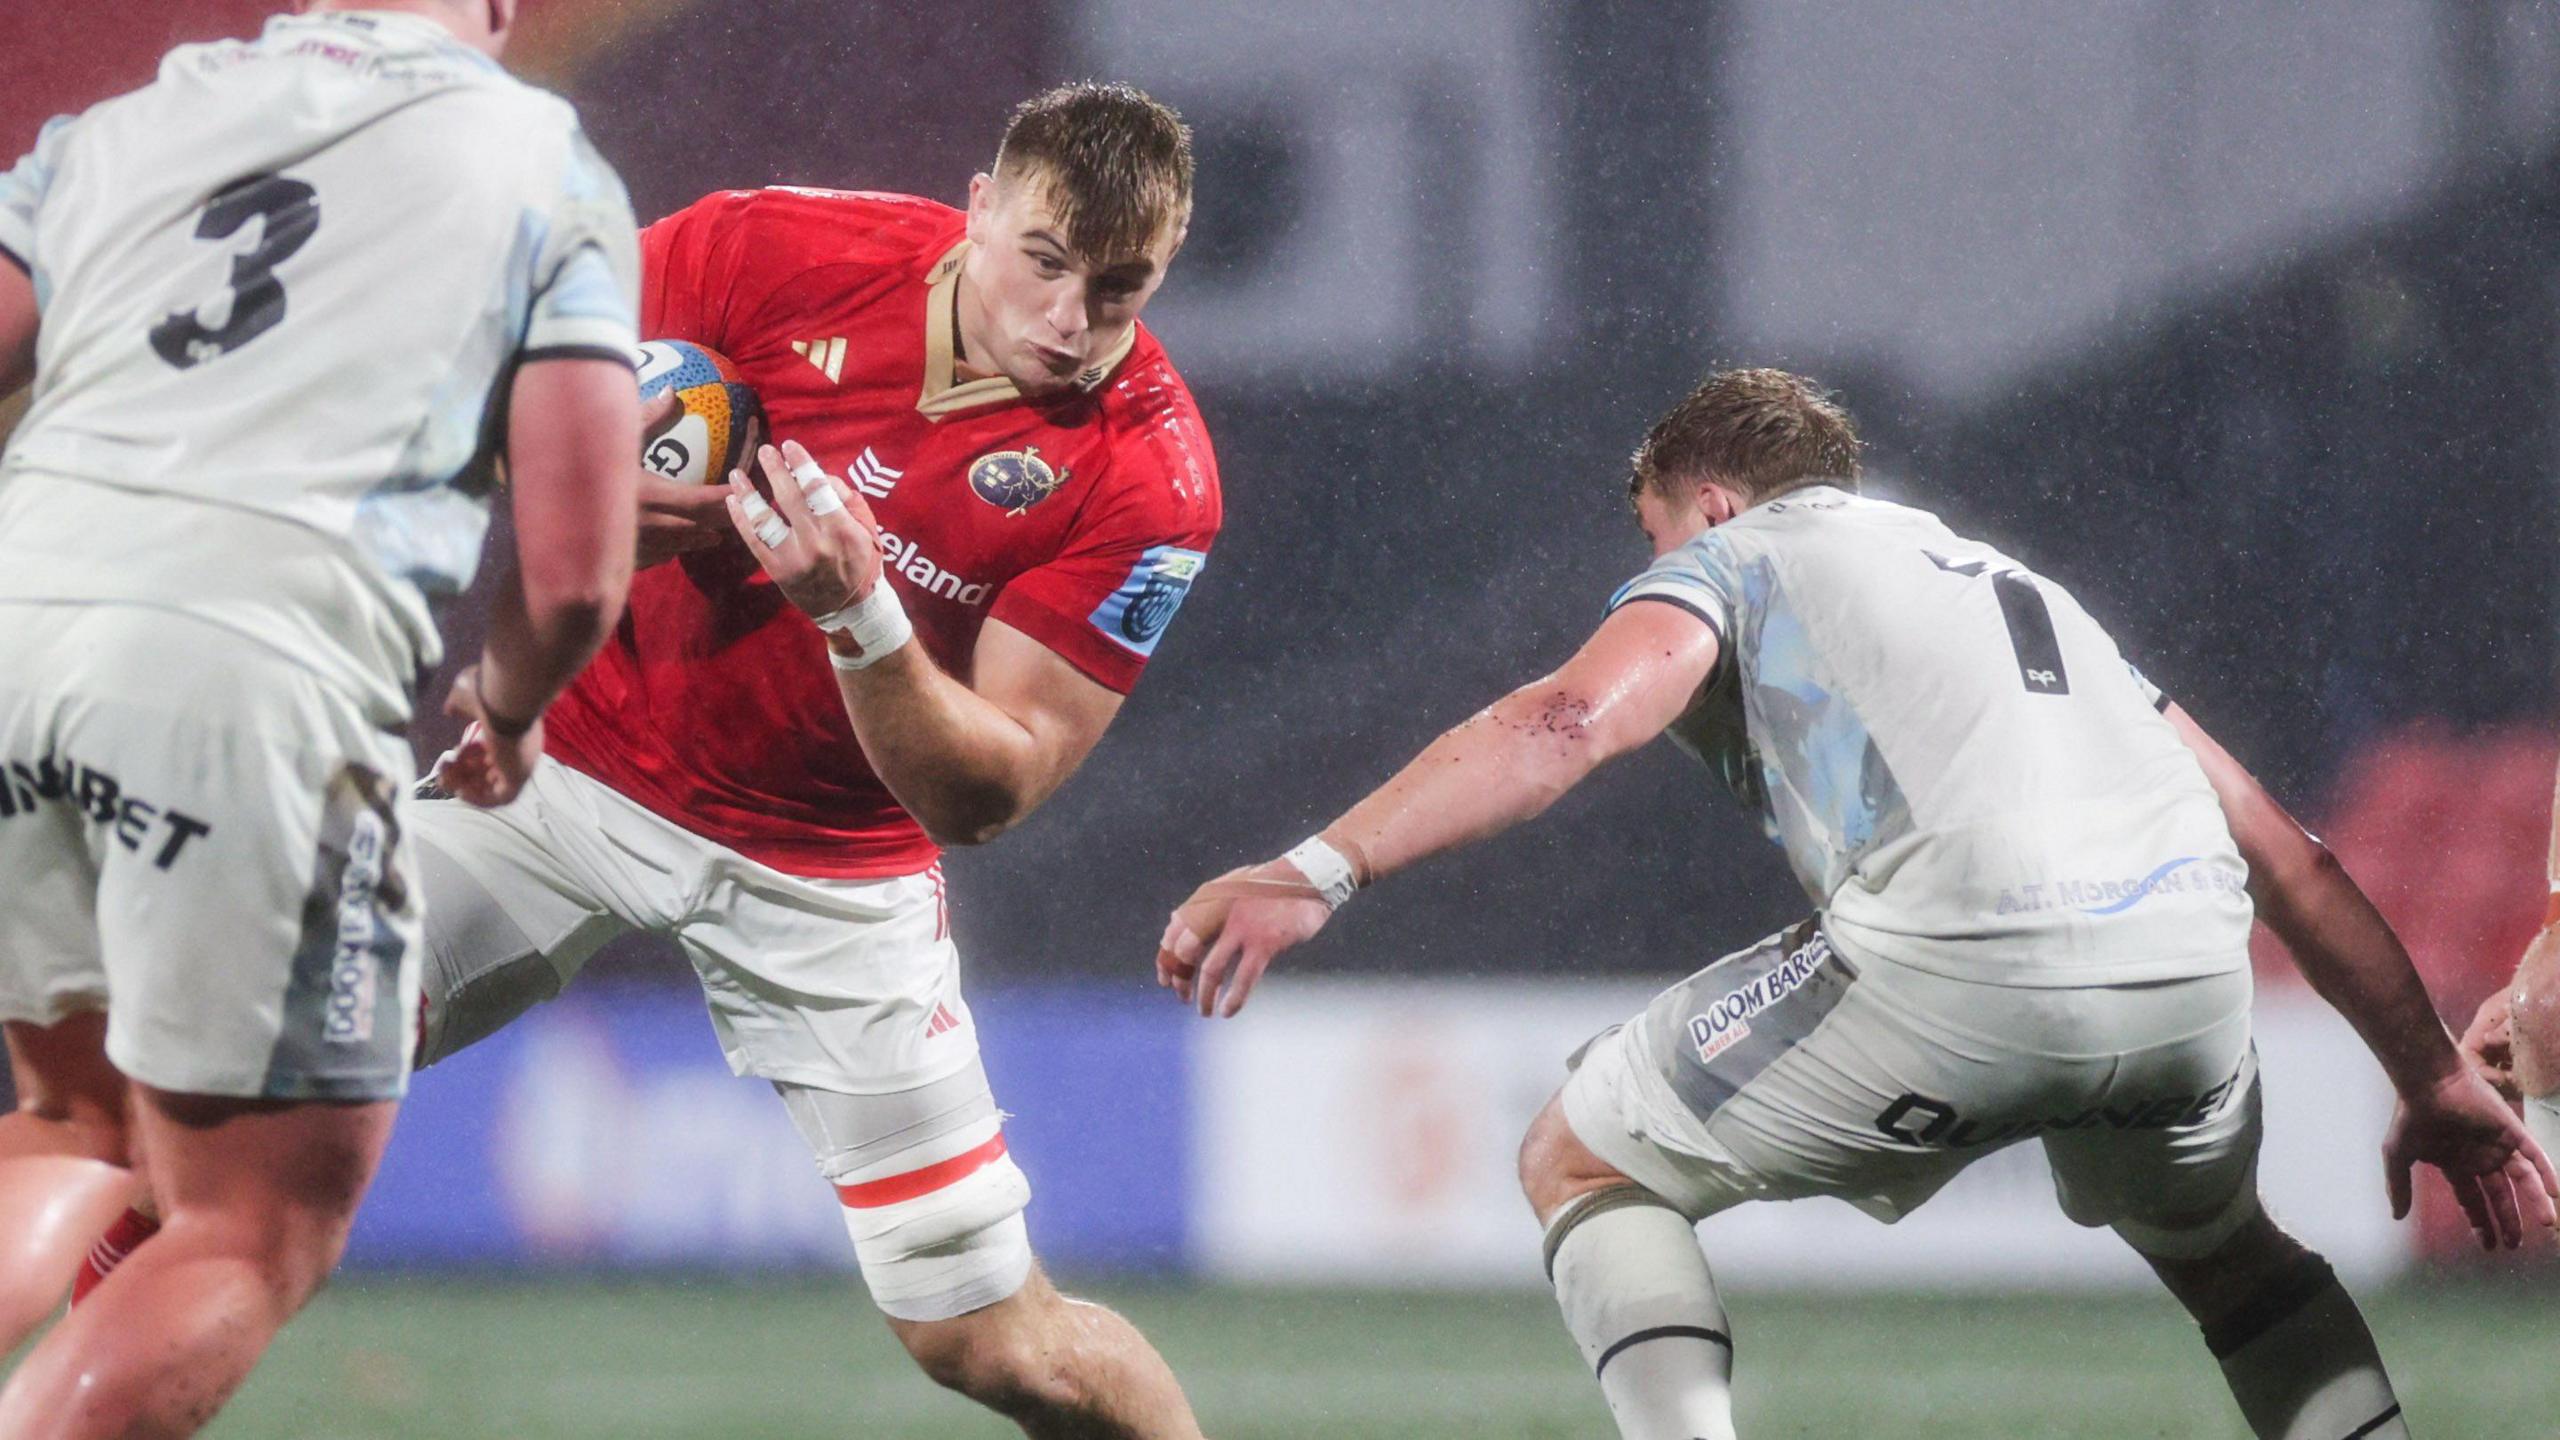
(22, 193)
(1699, 577)
(586, 266)
(1104, 604)
(2159, 699)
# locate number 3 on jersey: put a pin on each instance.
(2030, 621)
(290, 212)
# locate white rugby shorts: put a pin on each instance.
(202, 838)
(844, 985)
(1789, 1070)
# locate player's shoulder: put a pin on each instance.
(1828, 524)
(851, 226)
(1159, 444)
(1816, 507)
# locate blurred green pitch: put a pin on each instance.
(384, 1359)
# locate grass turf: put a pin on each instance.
(380, 1359)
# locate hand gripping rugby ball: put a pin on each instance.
(720, 416)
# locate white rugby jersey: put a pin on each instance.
(282, 287)
(1964, 772)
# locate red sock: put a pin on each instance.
(122, 1239)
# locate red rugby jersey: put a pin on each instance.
(1079, 521)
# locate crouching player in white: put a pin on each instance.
(2035, 900)
(268, 304)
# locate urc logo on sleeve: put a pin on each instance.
(1136, 614)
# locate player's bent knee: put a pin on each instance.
(1556, 1167)
(2251, 1260)
(1006, 1357)
(2202, 1238)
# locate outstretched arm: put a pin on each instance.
(2449, 1117)
(1505, 765)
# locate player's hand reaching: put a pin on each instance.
(817, 539)
(495, 757)
(1220, 940)
(2487, 1049)
(2459, 1125)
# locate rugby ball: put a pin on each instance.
(710, 438)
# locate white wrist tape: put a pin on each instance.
(770, 528)
(817, 489)
(1326, 868)
(876, 622)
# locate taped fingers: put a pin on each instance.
(815, 486)
(754, 517)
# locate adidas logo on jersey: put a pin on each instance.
(827, 355)
(872, 478)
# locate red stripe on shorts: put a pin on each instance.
(889, 1190)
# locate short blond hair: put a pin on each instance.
(1115, 164)
(1761, 432)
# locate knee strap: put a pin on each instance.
(931, 1198)
(2283, 1296)
(1590, 1205)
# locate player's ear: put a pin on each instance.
(1717, 503)
(982, 205)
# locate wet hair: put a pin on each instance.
(1115, 165)
(1761, 432)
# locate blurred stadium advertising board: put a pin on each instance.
(1347, 1132)
(605, 1131)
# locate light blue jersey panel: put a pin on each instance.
(1950, 751)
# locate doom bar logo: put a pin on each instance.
(354, 991)
(1718, 1025)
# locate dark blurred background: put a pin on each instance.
(2235, 319)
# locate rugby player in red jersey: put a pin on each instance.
(1035, 494)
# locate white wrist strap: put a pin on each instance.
(1325, 868)
(876, 622)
